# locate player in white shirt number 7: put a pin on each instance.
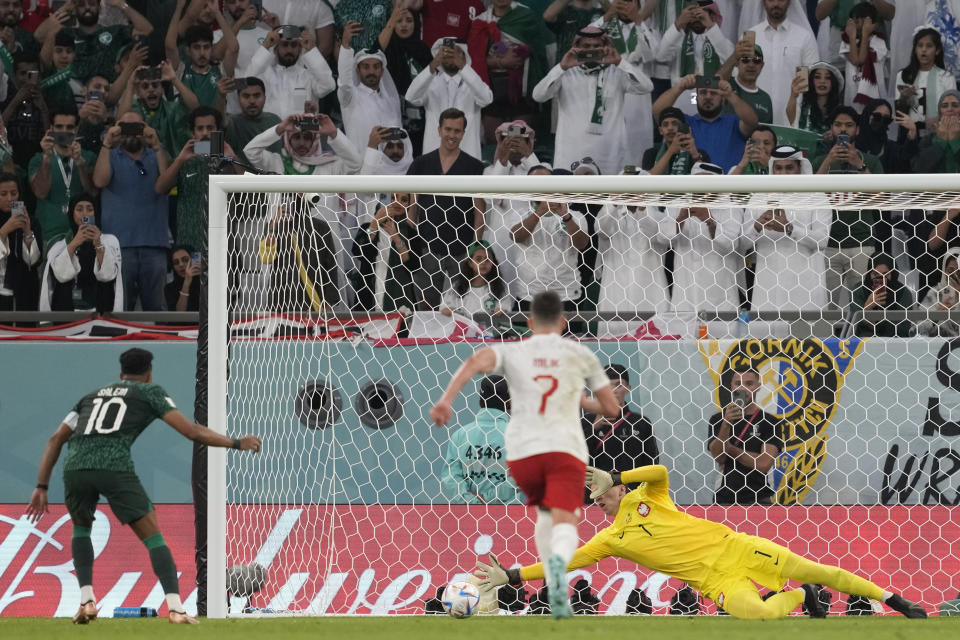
(546, 451)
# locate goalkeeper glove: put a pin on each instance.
(602, 480)
(495, 575)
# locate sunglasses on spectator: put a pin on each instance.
(879, 118)
(749, 59)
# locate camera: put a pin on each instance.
(201, 147)
(33, 76)
(94, 95)
(17, 208)
(449, 42)
(683, 128)
(843, 140)
(517, 130)
(131, 129)
(195, 258)
(393, 133)
(590, 55)
(290, 32)
(309, 124)
(63, 138)
(88, 221)
(707, 82)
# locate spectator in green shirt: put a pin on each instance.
(748, 61)
(200, 72)
(566, 17)
(476, 470)
(93, 113)
(98, 48)
(252, 119)
(11, 13)
(61, 88)
(60, 171)
(756, 153)
(168, 117)
(189, 172)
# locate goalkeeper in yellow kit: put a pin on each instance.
(712, 558)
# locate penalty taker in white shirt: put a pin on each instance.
(712, 558)
(546, 451)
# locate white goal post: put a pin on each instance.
(881, 192)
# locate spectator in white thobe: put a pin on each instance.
(514, 157)
(449, 81)
(366, 91)
(293, 72)
(694, 44)
(631, 242)
(706, 260)
(786, 45)
(590, 99)
(791, 265)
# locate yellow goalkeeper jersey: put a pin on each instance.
(650, 531)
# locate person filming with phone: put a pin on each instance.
(19, 250)
(83, 269)
(721, 135)
(127, 169)
(60, 171)
(745, 441)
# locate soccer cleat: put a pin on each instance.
(181, 617)
(811, 601)
(905, 607)
(557, 592)
(86, 613)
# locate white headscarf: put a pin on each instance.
(786, 152)
(386, 80)
(390, 168)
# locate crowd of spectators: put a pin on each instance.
(109, 108)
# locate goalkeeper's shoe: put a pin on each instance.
(86, 613)
(907, 608)
(181, 617)
(557, 588)
(812, 605)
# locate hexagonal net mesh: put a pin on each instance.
(788, 357)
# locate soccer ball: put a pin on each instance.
(460, 599)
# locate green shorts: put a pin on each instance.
(123, 491)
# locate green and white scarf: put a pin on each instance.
(54, 79)
(599, 104)
(623, 46)
(688, 57)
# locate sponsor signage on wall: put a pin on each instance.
(387, 560)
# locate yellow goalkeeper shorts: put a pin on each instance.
(745, 560)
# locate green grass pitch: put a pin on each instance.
(487, 628)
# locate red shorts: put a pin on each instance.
(553, 480)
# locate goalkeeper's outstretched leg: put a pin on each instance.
(803, 570)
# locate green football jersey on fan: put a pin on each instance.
(107, 421)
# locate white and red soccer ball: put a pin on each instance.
(460, 599)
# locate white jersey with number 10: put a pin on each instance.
(547, 375)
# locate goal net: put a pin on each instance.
(821, 312)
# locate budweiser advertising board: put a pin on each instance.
(381, 559)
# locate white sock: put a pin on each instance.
(86, 594)
(173, 602)
(886, 595)
(564, 541)
(542, 533)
